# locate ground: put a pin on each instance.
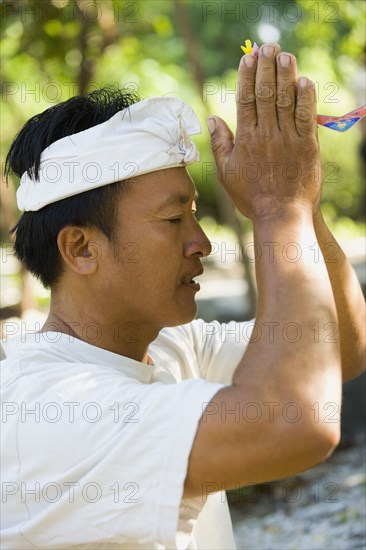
(321, 509)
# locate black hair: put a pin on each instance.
(36, 232)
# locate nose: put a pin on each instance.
(198, 243)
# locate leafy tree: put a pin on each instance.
(53, 49)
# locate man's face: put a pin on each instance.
(149, 275)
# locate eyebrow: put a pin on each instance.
(178, 199)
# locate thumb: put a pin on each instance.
(222, 139)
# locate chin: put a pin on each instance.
(183, 317)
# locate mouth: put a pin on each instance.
(189, 282)
(193, 285)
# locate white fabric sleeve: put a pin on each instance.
(118, 478)
(219, 347)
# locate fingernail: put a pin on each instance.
(303, 81)
(268, 51)
(211, 124)
(284, 60)
(249, 60)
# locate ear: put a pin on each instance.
(79, 249)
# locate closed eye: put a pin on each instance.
(180, 219)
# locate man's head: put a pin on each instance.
(132, 246)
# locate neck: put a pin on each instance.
(127, 338)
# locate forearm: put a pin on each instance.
(349, 301)
(292, 295)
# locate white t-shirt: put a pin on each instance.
(95, 445)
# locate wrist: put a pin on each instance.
(285, 214)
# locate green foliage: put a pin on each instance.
(54, 49)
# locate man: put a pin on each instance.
(124, 418)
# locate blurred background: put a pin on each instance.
(54, 49)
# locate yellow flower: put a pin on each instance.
(248, 48)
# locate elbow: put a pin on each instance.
(355, 368)
(329, 439)
(311, 443)
(321, 441)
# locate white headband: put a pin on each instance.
(147, 136)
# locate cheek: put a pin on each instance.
(156, 253)
(128, 254)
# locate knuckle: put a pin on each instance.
(304, 114)
(284, 101)
(265, 93)
(247, 100)
(245, 95)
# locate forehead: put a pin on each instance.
(162, 188)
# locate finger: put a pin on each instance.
(266, 86)
(286, 91)
(305, 110)
(222, 140)
(245, 98)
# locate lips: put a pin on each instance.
(188, 280)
